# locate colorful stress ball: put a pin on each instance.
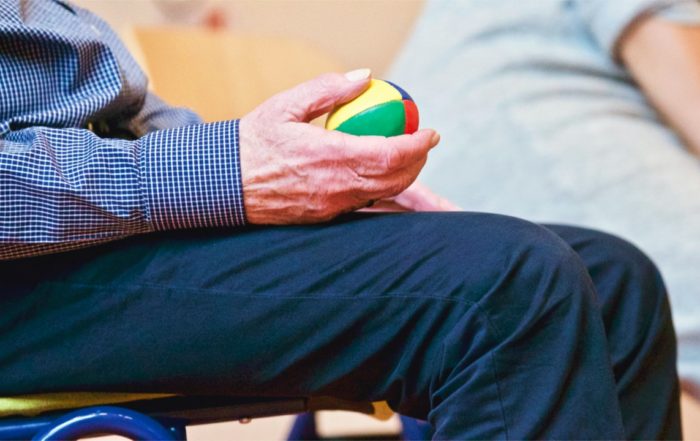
(383, 109)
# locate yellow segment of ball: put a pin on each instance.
(378, 92)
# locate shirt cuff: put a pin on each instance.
(192, 176)
(609, 19)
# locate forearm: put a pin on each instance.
(664, 58)
(65, 188)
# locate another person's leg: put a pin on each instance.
(488, 326)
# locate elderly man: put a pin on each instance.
(487, 326)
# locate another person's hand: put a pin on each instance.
(417, 197)
(295, 172)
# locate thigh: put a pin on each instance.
(440, 314)
(182, 311)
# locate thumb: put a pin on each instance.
(313, 98)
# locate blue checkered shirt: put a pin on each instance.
(87, 155)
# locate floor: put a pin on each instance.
(330, 424)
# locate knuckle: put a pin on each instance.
(362, 187)
(337, 145)
(393, 158)
(325, 82)
(277, 106)
(326, 78)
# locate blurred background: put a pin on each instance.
(253, 48)
(363, 33)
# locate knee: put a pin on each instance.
(515, 265)
(528, 288)
(545, 269)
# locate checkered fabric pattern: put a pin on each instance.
(62, 186)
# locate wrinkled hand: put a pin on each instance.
(294, 172)
(417, 197)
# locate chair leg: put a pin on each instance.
(415, 430)
(304, 428)
(178, 431)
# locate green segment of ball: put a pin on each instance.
(387, 119)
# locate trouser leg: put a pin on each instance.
(640, 331)
(487, 325)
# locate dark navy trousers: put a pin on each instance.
(487, 326)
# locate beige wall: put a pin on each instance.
(359, 33)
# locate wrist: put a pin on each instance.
(192, 177)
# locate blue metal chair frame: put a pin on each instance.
(158, 419)
(91, 421)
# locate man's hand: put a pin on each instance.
(294, 172)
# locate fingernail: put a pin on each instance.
(358, 74)
(435, 139)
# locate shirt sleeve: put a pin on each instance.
(157, 115)
(608, 20)
(68, 188)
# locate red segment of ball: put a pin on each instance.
(411, 116)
